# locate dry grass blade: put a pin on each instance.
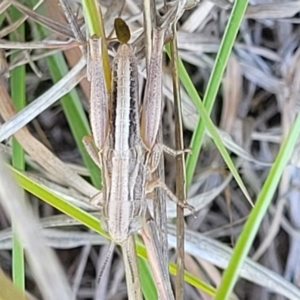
(74, 25)
(271, 83)
(16, 121)
(55, 26)
(3, 63)
(217, 253)
(40, 153)
(4, 44)
(8, 291)
(196, 244)
(180, 171)
(273, 10)
(72, 21)
(12, 27)
(39, 256)
(199, 201)
(4, 5)
(232, 94)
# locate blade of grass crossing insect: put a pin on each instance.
(148, 287)
(251, 227)
(193, 280)
(93, 223)
(17, 84)
(47, 196)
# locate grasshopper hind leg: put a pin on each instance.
(158, 183)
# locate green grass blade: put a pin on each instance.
(91, 222)
(193, 280)
(18, 95)
(2, 18)
(206, 122)
(230, 33)
(251, 227)
(148, 286)
(93, 17)
(47, 196)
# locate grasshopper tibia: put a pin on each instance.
(106, 261)
(88, 143)
(158, 183)
(156, 152)
(97, 199)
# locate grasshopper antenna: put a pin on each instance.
(107, 259)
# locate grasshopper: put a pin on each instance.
(127, 152)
